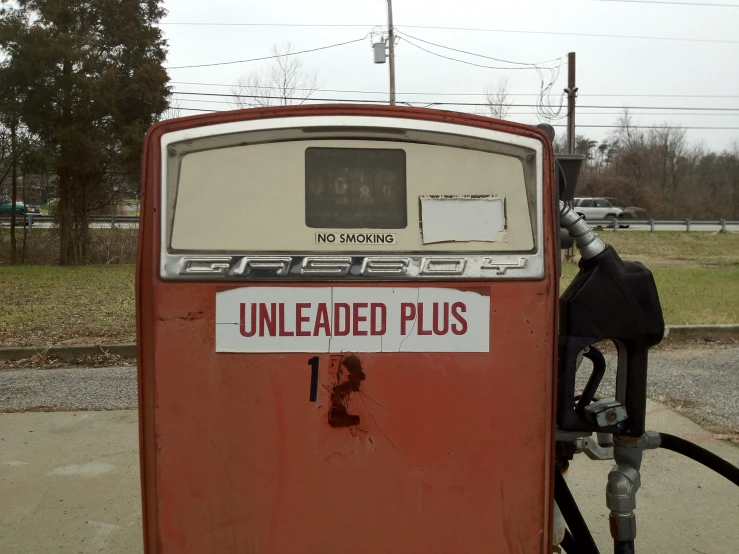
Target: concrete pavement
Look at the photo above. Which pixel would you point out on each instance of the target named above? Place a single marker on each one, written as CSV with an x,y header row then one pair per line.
x,y
69,483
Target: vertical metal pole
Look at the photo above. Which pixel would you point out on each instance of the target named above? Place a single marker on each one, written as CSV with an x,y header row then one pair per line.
x,y
13,191
570,252
723,225
571,92
391,46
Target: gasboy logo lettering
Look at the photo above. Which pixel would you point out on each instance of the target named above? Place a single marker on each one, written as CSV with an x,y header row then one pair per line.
x,y
290,319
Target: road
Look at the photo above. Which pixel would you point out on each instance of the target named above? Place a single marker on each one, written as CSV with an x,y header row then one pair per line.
x,y
671,227
94,225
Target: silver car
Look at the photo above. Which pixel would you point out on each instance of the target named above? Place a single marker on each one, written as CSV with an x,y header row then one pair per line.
x,y
604,208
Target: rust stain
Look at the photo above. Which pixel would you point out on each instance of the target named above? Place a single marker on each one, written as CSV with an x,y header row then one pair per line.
x,y
348,380
189,317
482,291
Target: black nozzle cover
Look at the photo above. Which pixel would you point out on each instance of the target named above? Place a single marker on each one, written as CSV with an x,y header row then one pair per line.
x,y
568,168
609,299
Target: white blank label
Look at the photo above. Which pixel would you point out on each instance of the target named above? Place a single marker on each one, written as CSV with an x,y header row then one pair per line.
x,y
462,219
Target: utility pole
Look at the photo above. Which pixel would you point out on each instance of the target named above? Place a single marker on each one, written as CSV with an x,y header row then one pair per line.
x,y
13,189
571,91
391,47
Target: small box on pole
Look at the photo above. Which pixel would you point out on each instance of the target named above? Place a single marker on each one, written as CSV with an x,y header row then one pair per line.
x,y
379,51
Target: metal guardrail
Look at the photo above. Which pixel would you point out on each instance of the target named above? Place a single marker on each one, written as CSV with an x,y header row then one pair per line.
x,y
614,223
611,223
32,218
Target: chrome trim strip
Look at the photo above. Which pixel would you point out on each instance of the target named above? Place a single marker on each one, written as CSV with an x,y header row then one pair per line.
x,y
326,265
353,268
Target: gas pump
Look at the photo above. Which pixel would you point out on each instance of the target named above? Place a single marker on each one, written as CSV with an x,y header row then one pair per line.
x,y
347,329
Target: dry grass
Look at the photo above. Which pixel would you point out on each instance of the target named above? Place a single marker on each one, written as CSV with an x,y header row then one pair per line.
x,y
668,249
42,361
697,274
107,246
46,305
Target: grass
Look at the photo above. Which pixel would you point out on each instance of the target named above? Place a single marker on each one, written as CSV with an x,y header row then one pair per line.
x,y
678,250
44,305
697,276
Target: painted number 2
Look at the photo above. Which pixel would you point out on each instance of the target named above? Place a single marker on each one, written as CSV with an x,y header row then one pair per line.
x,y
313,363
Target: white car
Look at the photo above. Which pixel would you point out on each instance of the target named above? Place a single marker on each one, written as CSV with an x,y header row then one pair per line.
x,y
604,209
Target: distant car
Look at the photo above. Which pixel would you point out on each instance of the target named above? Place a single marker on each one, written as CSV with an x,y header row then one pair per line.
x,y
606,208
5,209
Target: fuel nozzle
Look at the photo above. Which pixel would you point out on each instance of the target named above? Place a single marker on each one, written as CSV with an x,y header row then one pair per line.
x,y
585,238
609,300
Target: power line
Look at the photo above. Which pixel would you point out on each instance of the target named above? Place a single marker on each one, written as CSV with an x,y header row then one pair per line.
x,y
556,125
475,54
706,5
603,107
531,68
590,35
220,24
225,102
653,127
465,29
269,57
480,94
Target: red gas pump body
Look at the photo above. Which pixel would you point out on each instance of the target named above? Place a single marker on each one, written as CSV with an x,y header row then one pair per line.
x,y
254,451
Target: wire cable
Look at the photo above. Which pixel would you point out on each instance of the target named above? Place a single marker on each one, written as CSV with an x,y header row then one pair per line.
x,y
405,37
477,104
443,28
475,54
555,125
701,4
384,92
269,57
225,102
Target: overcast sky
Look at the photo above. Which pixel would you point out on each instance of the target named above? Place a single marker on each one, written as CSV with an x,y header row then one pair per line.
x,y
702,61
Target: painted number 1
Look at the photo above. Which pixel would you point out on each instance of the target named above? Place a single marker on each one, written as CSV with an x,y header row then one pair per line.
x,y
313,363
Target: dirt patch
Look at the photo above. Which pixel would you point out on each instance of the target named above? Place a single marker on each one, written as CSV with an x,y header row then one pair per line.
x,y
42,361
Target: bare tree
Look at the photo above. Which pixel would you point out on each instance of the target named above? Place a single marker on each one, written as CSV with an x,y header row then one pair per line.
x,y
498,99
174,109
282,83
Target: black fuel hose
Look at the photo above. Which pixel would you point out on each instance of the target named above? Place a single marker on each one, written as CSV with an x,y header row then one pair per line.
x,y
700,455
623,547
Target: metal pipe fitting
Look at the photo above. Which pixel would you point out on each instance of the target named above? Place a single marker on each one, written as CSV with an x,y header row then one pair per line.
x,y
623,483
586,240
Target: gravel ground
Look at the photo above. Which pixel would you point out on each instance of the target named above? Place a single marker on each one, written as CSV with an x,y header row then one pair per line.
x,y
701,382
47,390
